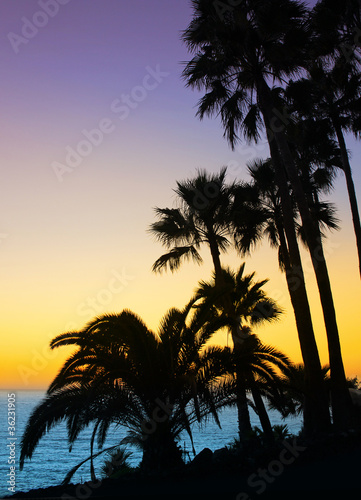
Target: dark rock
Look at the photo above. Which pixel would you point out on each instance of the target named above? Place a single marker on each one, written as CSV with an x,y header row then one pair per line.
x,y
203,460
222,455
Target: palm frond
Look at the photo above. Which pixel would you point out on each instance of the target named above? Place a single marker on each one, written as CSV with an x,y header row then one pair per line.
x,y
174,258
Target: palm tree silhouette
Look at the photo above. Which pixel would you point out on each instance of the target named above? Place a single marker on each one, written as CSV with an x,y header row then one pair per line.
x,y
336,27
200,219
258,210
237,60
260,364
291,399
334,95
249,306
204,217
257,213
154,385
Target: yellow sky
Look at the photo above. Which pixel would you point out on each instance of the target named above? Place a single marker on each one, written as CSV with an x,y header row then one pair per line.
x,y
47,299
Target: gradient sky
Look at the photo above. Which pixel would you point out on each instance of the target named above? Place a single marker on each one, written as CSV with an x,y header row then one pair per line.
x,y
74,242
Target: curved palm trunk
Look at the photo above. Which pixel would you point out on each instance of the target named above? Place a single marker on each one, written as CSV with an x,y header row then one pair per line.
x,y
92,471
262,413
316,412
341,400
350,188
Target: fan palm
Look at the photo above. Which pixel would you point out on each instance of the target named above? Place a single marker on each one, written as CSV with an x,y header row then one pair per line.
x,y
236,60
337,28
257,213
316,156
154,385
257,210
260,213
200,219
334,95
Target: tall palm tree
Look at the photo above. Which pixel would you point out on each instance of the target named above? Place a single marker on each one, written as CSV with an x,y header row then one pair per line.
x,y
154,385
202,218
237,60
249,306
317,156
258,213
334,95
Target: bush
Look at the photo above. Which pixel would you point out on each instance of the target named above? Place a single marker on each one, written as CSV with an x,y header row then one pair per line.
x,y
116,464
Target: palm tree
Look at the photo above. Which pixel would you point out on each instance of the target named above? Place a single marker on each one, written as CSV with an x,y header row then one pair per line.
x,y
238,59
334,95
249,306
203,217
317,156
337,27
257,210
291,399
260,363
200,219
258,213
154,385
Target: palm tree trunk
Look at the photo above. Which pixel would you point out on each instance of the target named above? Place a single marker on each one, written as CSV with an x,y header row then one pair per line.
x,y
244,422
341,400
215,256
316,415
160,450
350,188
262,413
92,471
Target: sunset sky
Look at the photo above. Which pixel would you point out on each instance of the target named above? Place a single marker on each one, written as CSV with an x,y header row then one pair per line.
x,y
73,226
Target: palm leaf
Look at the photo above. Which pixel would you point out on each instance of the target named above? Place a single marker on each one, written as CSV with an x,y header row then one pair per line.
x,y
174,258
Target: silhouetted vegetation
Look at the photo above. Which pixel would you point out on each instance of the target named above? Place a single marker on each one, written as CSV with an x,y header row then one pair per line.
x,y
272,68
246,63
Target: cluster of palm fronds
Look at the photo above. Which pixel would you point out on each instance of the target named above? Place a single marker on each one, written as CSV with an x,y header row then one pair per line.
x,y
153,386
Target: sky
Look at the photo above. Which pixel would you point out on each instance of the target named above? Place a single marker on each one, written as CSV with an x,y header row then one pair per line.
x,y
96,128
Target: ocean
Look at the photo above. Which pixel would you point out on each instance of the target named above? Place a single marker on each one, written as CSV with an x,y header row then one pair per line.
x,y
52,460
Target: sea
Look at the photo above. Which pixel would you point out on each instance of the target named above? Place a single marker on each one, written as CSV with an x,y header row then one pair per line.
x,y
52,459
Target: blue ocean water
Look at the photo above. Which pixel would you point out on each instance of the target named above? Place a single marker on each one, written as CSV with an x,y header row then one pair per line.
x,y
51,460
